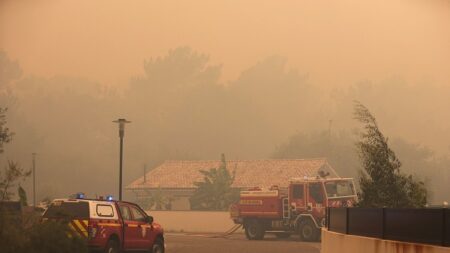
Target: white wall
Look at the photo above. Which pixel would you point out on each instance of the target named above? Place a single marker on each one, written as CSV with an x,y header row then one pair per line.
x,y
335,242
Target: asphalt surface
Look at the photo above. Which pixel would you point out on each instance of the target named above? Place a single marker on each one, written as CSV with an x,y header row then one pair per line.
x,y
203,243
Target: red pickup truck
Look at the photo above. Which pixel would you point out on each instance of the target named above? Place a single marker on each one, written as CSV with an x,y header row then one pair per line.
x,y
108,225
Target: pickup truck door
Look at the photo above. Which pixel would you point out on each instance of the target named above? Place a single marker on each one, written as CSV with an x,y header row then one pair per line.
x,y
144,229
130,229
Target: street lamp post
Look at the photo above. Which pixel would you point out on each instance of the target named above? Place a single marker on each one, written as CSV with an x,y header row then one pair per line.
x,y
121,123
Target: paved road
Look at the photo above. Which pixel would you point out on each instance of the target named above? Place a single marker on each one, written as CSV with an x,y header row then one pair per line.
x,y
184,243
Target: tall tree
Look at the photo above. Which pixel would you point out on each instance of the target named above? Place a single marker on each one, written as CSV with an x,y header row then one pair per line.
x,y
12,172
215,192
381,181
5,134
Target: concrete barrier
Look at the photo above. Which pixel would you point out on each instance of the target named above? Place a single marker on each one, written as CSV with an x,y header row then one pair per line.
x,y
193,221
333,242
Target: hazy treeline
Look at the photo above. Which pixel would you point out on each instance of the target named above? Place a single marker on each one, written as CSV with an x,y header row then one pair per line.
x,y
181,110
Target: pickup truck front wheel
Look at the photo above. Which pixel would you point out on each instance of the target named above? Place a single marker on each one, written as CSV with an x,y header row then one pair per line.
x,y
158,246
112,246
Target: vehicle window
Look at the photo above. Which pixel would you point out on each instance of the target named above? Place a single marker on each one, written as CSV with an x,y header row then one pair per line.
x,y
137,214
331,189
125,211
105,211
339,188
60,209
297,191
315,192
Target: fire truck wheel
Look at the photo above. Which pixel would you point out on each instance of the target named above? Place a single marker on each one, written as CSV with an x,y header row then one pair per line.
x,y
308,231
254,230
112,246
282,235
158,246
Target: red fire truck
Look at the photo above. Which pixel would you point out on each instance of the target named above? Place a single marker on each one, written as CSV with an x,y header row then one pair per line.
x,y
298,209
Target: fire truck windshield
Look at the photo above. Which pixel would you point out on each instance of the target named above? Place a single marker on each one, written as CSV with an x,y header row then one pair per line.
x,y
339,189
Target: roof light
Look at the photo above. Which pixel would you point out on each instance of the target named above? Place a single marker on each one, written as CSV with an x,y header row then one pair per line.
x,y
80,195
109,198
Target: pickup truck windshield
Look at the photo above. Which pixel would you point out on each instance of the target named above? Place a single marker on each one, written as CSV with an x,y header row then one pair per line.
x,y
79,210
339,188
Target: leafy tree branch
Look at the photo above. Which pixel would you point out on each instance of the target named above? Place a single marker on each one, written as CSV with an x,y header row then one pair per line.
x,y
381,181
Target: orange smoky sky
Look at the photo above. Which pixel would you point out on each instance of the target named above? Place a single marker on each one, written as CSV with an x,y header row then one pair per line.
x,y
334,42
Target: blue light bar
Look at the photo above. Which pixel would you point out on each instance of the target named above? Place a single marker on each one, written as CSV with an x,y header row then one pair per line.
x,y
80,195
109,198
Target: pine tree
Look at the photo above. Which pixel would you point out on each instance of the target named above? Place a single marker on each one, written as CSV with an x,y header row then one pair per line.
x,y
382,183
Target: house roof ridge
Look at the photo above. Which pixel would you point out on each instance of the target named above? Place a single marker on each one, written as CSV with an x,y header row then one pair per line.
x,y
189,161
252,172
285,159
247,160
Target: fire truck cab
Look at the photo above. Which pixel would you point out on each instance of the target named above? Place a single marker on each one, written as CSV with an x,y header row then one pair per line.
x,y
299,208
108,225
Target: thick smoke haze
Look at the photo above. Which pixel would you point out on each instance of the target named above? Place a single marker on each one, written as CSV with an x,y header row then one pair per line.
x,y
253,80
336,43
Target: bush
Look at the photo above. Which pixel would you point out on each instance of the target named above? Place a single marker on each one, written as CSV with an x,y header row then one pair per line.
x,y
39,237
53,237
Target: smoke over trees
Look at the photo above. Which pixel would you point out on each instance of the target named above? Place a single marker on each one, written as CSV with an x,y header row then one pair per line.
x,y
180,109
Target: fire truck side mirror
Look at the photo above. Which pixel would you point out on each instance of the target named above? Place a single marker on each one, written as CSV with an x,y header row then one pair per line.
x,y
149,219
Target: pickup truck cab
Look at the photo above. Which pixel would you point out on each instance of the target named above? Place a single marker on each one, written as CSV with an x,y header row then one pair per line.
x,y
108,225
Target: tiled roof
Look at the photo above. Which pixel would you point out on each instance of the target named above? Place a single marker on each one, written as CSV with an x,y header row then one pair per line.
x,y
249,173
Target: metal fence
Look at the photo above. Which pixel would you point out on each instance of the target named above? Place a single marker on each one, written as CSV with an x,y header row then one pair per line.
x,y
426,225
